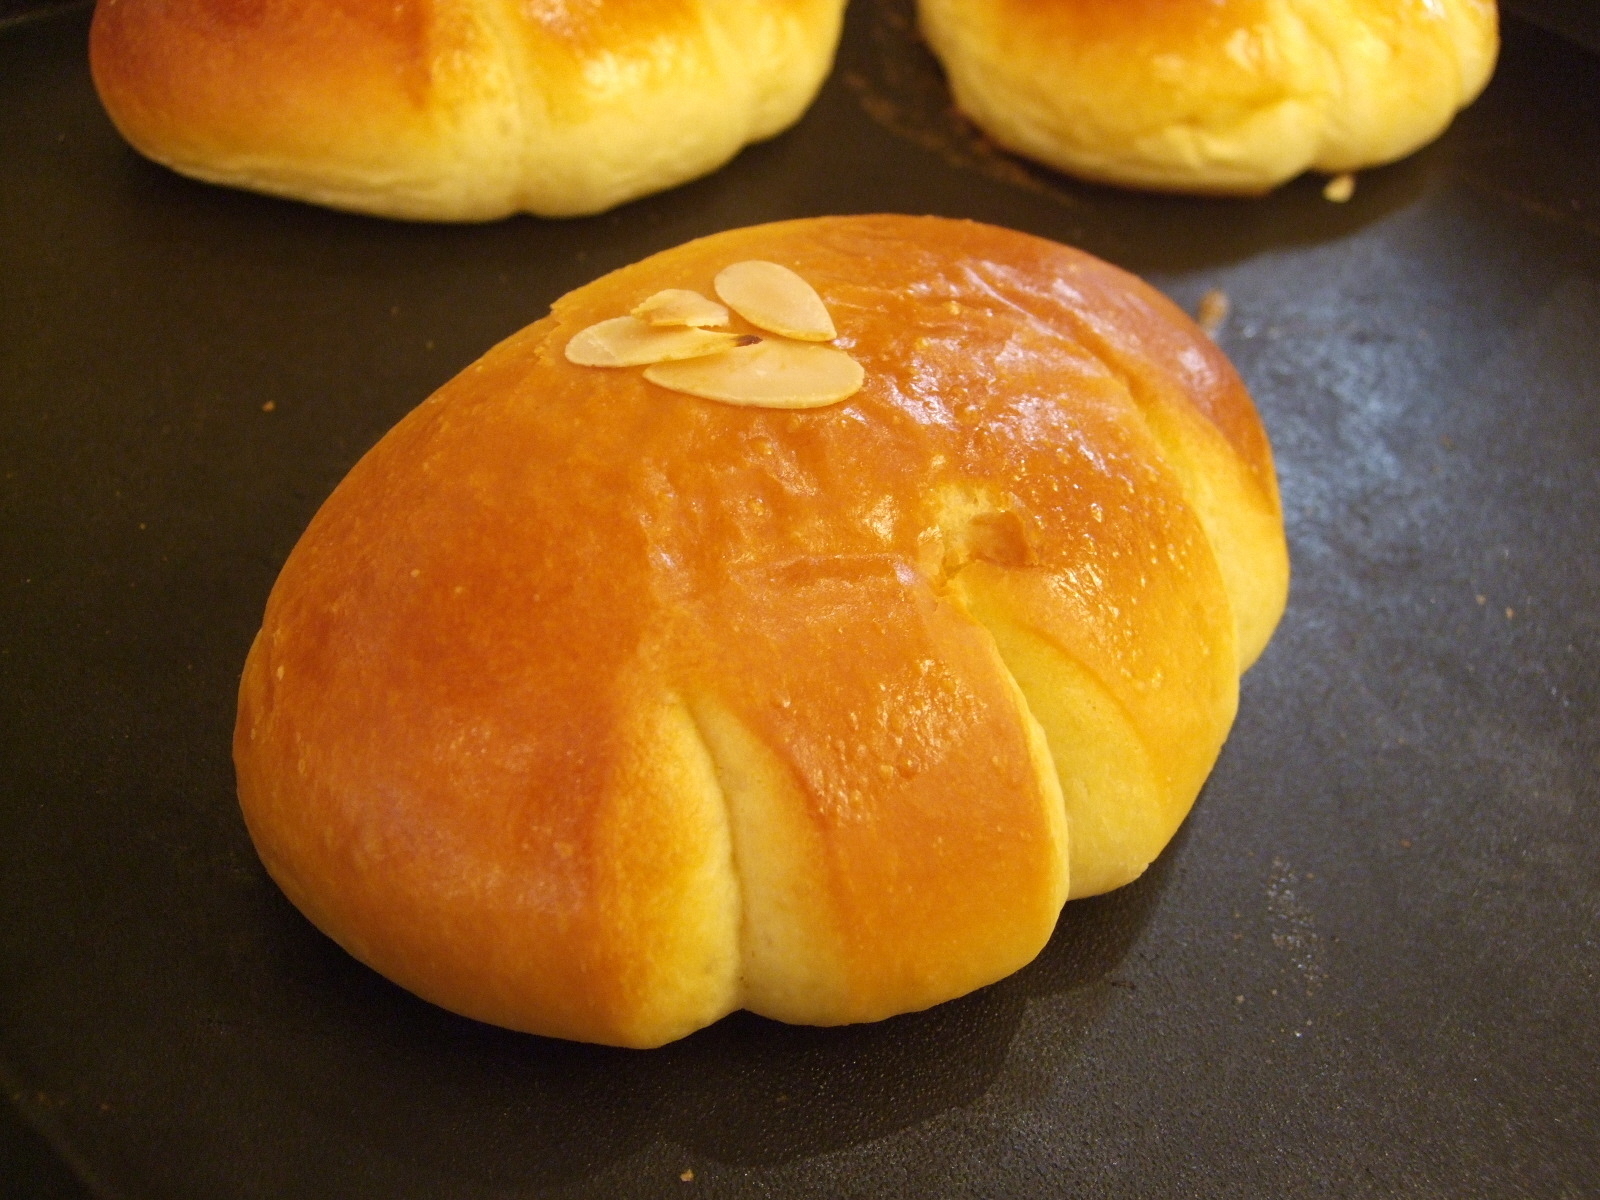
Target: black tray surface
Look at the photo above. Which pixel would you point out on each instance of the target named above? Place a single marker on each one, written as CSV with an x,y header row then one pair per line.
x,y
1366,966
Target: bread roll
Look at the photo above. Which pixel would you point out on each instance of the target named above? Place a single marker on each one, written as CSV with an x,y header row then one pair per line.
x,y
457,110
598,710
1228,96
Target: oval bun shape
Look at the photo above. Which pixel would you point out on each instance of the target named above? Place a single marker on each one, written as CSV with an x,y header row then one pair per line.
x,y
596,710
1226,96
457,110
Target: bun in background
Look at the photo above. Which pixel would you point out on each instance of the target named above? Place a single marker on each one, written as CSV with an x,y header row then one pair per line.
x,y
457,110
1228,96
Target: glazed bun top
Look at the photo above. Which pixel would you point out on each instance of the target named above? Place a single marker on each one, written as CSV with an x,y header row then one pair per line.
x,y
1212,95
457,109
592,708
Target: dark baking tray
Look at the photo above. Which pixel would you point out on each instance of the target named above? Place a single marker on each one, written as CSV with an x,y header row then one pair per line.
x,y
1366,967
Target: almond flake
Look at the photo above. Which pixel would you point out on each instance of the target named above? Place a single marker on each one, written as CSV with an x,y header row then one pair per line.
x,y
629,342
775,299
680,306
770,374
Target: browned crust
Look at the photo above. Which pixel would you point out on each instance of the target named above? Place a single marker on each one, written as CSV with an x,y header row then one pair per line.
x,y
187,78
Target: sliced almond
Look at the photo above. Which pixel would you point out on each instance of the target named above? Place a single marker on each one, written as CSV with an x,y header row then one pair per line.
x,y
775,299
680,306
629,342
770,374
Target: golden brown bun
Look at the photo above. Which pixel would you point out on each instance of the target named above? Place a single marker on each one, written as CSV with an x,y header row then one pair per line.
x,y
457,109
596,710
1212,95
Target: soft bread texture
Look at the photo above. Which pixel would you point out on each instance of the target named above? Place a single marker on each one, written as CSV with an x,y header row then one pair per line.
x,y
457,109
596,710
1226,96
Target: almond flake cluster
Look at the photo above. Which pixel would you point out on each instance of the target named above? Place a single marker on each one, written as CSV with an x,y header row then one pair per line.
x,y
681,339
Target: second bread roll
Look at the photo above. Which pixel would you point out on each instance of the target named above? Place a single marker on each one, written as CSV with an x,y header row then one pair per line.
x,y
1227,96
